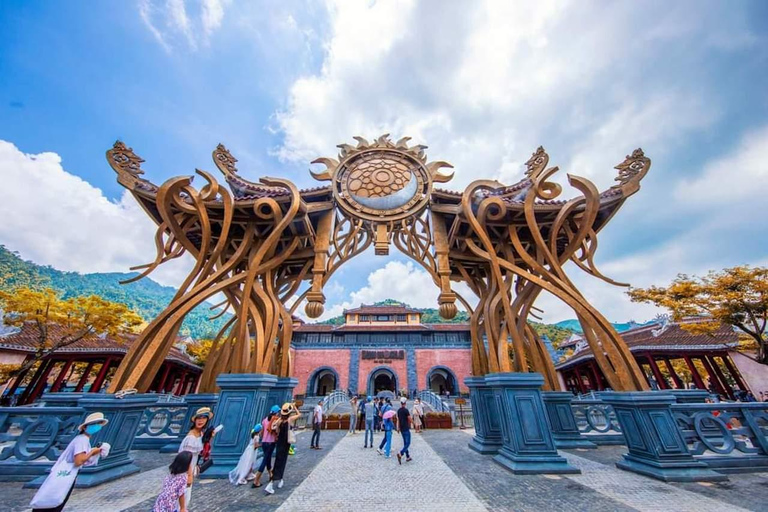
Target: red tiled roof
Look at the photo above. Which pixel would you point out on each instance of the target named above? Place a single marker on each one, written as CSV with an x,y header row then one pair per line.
x,y
381,310
672,338
26,341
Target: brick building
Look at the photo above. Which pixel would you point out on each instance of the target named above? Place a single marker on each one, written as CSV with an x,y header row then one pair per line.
x,y
381,348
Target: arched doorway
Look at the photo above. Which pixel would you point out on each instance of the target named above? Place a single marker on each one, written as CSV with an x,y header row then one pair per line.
x,y
322,382
441,379
382,379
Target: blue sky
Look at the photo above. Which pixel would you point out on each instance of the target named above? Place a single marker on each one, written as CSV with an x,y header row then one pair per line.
x,y
482,83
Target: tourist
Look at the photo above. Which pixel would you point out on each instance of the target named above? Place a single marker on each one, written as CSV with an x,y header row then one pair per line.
x,y
282,425
193,443
317,421
244,469
387,407
417,413
171,498
268,438
353,415
369,415
387,426
58,485
377,418
404,422
361,414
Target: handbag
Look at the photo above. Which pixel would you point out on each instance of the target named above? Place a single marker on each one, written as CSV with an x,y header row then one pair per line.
x,y
54,490
202,466
291,436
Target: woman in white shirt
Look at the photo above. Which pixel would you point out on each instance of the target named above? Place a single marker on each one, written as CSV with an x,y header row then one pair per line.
x,y
57,487
193,443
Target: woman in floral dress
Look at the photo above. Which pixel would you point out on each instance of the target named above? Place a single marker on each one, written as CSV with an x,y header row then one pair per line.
x,y
171,498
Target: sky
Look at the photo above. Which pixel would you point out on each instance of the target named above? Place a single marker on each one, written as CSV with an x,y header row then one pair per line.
x,y
483,84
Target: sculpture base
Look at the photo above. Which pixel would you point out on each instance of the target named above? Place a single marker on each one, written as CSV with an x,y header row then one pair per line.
x,y
487,438
243,401
527,443
565,431
656,446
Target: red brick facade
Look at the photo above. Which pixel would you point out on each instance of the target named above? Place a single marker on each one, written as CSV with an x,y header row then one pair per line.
x,y
306,361
458,360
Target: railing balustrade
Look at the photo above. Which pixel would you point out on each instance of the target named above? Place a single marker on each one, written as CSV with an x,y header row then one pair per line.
x,y
433,400
727,436
160,424
597,422
32,438
336,397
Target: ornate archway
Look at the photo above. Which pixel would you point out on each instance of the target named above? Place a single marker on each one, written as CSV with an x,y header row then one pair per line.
x,y
258,243
382,378
440,378
322,381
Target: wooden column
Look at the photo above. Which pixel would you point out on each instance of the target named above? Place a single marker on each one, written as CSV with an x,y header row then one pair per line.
x,y
596,374
195,382
656,372
579,380
164,379
37,386
713,380
20,377
84,377
180,387
675,377
101,376
720,377
734,372
694,373
64,369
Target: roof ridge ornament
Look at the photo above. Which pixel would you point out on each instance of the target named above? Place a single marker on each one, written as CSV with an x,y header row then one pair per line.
x,y
123,160
631,171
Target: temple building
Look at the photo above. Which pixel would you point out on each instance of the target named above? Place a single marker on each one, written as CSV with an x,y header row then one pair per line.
x,y
379,349
86,365
670,357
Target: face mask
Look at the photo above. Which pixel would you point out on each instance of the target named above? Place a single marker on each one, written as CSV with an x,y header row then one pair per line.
x,y
92,429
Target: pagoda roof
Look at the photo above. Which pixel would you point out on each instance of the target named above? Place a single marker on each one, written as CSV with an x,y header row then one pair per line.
x,y
665,337
25,339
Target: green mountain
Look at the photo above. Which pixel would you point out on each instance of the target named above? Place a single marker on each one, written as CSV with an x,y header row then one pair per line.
x,y
575,326
146,297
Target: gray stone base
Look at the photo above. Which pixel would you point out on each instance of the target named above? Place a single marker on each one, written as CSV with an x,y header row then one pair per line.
x,y
535,465
667,472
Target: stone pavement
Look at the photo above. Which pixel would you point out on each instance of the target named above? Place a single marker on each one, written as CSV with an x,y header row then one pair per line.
x,y
444,475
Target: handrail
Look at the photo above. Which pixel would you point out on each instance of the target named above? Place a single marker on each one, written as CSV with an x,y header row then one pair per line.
x,y
336,397
433,400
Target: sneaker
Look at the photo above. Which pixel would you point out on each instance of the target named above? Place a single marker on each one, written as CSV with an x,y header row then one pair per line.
x,y
268,489
378,450
399,459
387,456
408,459
280,483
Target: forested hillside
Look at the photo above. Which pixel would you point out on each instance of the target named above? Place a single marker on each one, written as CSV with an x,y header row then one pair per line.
x,y
145,297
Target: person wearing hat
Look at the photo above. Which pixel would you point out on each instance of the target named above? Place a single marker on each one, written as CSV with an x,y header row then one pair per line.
x,y
193,443
268,438
282,425
57,487
244,469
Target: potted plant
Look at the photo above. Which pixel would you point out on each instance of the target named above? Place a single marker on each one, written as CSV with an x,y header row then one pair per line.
x,y
332,422
438,420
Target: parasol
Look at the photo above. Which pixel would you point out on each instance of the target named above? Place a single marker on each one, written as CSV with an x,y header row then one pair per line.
x,y
389,414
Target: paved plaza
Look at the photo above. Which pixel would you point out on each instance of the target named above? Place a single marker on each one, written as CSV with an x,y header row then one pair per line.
x,y
444,475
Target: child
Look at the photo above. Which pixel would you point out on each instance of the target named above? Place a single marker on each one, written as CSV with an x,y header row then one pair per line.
x,y
244,469
171,499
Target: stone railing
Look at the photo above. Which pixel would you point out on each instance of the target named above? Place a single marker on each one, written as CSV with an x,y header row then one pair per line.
x,y
335,398
597,422
32,438
727,437
161,424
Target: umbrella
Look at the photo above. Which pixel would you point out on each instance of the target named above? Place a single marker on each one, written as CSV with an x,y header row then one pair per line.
x,y
389,414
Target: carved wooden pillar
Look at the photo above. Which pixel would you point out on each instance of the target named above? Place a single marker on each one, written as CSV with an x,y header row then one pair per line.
x,y
64,369
675,377
84,377
656,372
96,387
694,373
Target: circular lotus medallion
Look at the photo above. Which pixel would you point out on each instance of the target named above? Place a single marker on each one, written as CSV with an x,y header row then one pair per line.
x,y
382,184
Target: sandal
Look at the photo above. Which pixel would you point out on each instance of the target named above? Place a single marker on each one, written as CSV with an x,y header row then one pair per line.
x,y
255,485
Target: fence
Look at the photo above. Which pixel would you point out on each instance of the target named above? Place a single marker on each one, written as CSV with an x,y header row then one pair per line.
x,y
728,437
161,424
597,422
32,438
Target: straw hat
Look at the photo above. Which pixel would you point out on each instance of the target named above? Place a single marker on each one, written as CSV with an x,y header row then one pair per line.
x,y
95,418
286,410
203,411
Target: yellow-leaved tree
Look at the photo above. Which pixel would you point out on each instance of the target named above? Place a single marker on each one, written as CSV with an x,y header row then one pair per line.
x,y
199,349
735,296
76,318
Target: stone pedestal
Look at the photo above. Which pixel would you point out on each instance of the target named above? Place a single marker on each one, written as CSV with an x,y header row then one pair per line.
x,y
124,417
527,443
243,399
565,431
194,402
656,446
61,399
688,396
282,392
487,439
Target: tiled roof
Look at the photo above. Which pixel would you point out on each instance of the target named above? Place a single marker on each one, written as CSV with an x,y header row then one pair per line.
x,y
25,340
381,310
669,339
382,328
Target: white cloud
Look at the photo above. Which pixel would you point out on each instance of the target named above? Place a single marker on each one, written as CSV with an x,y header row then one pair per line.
x,y
172,24
53,217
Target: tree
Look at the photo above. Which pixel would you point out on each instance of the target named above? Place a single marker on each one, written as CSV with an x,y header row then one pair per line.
x,y
199,349
76,318
735,296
